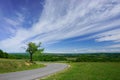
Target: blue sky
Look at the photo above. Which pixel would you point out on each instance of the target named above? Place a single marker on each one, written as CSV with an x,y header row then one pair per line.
x,y
68,26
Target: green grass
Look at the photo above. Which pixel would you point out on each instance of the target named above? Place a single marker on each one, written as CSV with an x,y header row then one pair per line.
x,y
89,71
9,65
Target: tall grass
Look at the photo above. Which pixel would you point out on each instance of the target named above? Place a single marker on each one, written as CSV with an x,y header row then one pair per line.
x,y
8,65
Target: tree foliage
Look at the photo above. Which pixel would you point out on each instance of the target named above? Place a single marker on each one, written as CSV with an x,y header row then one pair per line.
x,y
3,54
33,48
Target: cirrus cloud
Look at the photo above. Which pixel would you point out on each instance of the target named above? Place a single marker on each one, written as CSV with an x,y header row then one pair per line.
x,y
66,19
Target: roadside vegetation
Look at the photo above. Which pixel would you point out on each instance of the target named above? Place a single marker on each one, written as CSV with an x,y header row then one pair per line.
x,y
89,71
13,65
9,65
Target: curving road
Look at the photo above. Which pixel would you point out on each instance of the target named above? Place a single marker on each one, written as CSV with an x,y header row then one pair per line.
x,y
34,74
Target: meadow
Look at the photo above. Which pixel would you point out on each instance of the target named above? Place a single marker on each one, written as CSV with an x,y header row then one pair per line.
x,y
89,71
13,65
102,66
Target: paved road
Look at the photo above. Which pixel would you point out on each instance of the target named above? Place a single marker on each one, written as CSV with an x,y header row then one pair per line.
x,y
34,74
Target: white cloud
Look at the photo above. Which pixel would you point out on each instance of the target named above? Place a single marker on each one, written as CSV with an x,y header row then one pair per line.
x,y
74,21
63,19
113,35
16,20
110,35
11,22
102,50
114,46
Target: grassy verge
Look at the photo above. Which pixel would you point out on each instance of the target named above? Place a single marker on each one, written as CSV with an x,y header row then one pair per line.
x,y
89,71
9,65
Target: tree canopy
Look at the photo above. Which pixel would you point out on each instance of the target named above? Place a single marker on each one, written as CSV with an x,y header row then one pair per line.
x,y
33,48
3,54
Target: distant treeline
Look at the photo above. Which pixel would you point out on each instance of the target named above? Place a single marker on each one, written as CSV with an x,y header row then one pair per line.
x,y
3,54
97,57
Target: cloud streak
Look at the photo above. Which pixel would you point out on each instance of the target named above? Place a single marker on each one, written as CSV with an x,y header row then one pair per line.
x,y
66,19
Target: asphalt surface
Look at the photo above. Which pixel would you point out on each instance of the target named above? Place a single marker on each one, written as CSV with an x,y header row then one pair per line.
x,y
34,74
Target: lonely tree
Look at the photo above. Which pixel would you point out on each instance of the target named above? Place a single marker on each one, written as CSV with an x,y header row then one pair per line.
x,y
33,48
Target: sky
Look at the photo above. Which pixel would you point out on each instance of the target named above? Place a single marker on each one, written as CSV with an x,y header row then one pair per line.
x,y
63,26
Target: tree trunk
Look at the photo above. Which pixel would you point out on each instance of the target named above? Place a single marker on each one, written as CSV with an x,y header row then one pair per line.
x,y
30,57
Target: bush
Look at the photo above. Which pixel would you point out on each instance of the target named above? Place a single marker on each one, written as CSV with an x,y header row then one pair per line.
x,y
3,54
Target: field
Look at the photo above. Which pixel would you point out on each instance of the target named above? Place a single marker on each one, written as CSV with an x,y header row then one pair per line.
x,y
11,65
89,71
101,66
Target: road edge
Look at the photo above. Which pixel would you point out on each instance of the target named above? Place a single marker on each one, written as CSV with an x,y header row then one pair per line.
x,y
46,76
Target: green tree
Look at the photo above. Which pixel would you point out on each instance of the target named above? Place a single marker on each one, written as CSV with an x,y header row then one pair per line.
x,y
33,48
3,54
